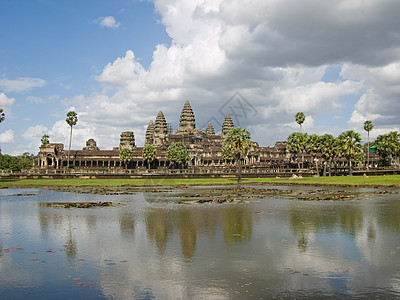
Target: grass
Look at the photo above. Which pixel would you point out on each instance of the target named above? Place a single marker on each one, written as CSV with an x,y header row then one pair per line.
x,y
387,180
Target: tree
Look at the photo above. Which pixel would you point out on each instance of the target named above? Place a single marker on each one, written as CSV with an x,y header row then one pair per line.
x,y
388,146
329,150
16,163
237,145
296,144
313,147
300,118
2,115
126,156
350,146
45,139
178,153
149,154
71,120
368,127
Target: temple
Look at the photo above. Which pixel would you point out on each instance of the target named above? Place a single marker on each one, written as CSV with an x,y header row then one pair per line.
x,y
204,149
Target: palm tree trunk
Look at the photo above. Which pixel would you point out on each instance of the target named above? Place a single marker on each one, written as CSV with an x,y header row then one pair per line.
x,y
368,153
325,164
350,168
239,170
69,147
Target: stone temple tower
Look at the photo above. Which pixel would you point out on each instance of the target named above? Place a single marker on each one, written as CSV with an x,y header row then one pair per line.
x,y
227,125
187,122
127,140
149,134
210,129
160,130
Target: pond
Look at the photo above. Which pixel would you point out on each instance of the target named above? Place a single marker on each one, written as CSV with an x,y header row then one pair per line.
x,y
149,245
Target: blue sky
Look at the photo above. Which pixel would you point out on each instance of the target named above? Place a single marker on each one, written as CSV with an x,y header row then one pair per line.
x,y
117,63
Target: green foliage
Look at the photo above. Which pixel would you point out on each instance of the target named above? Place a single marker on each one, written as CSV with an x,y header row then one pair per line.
x,y
350,146
72,118
149,154
16,163
177,153
313,144
368,126
329,147
126,156
45,139
237,144
2,115
300,118
388,146
296,142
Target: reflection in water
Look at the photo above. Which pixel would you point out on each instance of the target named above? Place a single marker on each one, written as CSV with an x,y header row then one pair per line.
x,y
127,223
237,225
155,248
158,226
389,215
187,227
351,219
70,246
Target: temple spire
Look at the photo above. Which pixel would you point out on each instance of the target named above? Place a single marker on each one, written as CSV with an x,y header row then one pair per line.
x,y
149,134
227,125
160,125
187,122
210,129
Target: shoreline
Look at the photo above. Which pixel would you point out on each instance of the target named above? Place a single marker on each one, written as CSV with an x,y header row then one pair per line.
x,y
380,181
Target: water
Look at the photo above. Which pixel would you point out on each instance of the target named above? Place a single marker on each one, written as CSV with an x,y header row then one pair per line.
x,y
151,247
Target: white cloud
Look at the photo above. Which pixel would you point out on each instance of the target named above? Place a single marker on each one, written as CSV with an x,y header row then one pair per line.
x,y
21,84
379,101
6,101
7,136
108,22
274,53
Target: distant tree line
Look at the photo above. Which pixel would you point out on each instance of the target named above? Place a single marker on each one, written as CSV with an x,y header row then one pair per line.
x,y
16,163
347,145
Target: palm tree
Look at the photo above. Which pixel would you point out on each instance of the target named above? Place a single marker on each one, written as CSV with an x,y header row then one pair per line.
x,y
300,118
2,115
313,147
178,153
126,155
329,150
368,127
149,153
350,146
237,144
45,139
296,144
388,146
71,120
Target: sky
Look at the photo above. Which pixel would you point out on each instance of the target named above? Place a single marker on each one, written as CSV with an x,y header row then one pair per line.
x,y
118,63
